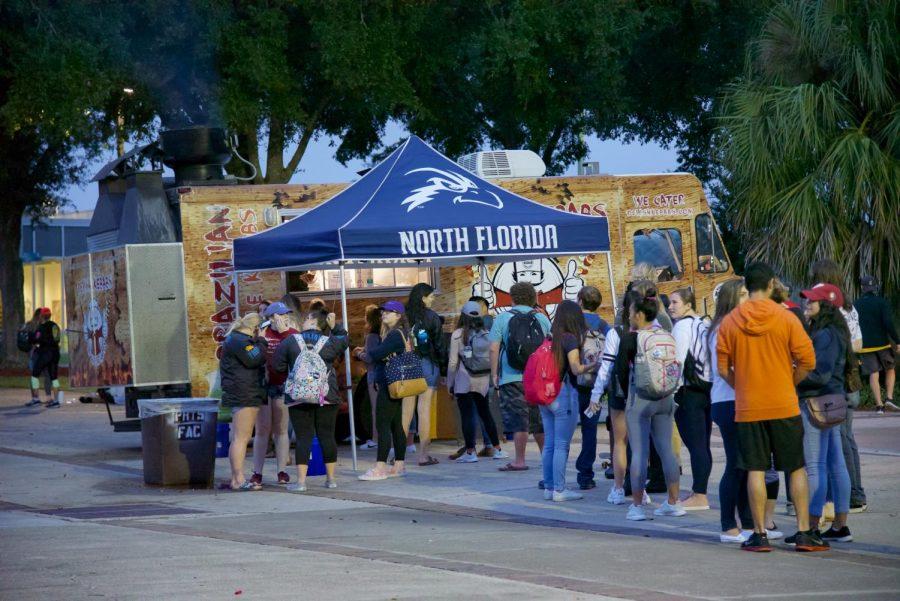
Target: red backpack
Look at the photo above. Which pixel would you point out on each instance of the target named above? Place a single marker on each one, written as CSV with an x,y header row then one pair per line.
x,y
541,378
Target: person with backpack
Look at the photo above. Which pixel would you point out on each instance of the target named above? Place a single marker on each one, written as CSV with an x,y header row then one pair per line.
x,y
515,335
24,338
822,387
589,299
554,368
272,419
646,366
762,351
45,358
692,415
242,372
468,378
311,389
388,411
428,339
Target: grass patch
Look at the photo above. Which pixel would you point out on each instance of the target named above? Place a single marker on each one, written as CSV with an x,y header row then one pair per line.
x,y
25,382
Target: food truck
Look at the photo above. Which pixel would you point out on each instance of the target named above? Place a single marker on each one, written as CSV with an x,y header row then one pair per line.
x,y
660,222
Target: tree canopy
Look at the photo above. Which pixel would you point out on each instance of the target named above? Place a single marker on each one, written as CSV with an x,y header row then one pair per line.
x,y
811,140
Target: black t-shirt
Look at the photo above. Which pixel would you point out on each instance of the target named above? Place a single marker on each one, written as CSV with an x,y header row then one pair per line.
x,y
569,343
46,337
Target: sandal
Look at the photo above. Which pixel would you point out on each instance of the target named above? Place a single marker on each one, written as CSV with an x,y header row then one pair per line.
x,y
509,467
429,461
247,485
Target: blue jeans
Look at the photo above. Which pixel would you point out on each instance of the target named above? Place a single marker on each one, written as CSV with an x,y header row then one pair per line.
x,y
733,485
585,462
559,418
825,465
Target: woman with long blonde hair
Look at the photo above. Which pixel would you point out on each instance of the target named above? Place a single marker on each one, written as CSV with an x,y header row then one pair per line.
x,y
242,370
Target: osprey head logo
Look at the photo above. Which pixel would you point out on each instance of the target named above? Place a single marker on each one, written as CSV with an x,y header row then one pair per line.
x,y
460,187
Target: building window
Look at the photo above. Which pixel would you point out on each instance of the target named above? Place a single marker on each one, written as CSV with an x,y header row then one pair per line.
x,y
379,278
661,249
711,257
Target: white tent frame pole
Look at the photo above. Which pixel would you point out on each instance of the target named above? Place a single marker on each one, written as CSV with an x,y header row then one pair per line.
x,y
612,285
346,319
482,273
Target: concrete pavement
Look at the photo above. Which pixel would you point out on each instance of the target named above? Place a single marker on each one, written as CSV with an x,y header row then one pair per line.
x,y
76,521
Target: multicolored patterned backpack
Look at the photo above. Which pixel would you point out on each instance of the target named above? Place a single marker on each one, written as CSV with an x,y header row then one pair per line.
x,y
307,382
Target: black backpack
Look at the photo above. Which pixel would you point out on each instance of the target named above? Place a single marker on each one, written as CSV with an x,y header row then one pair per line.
x,y
524,336
23,340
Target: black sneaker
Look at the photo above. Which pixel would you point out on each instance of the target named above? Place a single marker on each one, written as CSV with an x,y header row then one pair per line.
x,y
33,403
757,543
879,410
541,485
587,485
858,507
810,541
52,404
609,474
840,536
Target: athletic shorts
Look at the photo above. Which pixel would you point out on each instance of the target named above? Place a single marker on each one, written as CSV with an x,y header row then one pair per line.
x,y
45,361
519,416
877,361
759,442
617,403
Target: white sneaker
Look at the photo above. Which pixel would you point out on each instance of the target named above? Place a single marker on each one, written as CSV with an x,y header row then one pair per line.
x,y
467,458
732,538
669,509
616,496
373,475
410,449
330,484
566,495
646,500
296,487
548,495
891,405
500,454
636,514
369,444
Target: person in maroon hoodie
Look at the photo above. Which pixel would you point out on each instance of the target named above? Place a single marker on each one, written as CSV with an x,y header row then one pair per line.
x,y
273,417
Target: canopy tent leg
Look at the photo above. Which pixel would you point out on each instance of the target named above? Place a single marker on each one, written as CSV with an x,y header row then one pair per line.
x,y
482,275
612,285
346,318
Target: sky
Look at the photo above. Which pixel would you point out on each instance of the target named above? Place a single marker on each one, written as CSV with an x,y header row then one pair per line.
x,y
318,164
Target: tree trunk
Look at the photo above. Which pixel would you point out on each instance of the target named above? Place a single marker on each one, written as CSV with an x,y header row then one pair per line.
x,y
12,280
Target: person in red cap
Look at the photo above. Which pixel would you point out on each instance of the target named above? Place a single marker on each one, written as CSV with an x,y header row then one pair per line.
x,y
46,358
822,445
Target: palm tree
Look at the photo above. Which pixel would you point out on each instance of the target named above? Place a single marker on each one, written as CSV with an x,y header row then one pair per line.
x,y
811,140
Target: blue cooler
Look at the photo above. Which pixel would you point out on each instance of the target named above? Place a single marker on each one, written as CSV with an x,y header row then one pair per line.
x,y
223,439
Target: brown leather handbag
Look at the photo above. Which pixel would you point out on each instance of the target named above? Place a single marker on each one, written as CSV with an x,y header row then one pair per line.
x,y
827,410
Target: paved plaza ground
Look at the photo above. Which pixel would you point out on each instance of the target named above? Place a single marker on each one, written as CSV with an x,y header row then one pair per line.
x,y
77,522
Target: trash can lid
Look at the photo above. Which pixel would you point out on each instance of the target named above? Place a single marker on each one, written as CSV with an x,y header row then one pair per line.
x,y
151,407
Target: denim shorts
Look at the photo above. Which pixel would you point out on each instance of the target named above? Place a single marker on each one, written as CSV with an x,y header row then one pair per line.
x,y
432,372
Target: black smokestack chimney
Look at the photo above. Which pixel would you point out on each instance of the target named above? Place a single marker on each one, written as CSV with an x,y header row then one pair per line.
x,y
196,154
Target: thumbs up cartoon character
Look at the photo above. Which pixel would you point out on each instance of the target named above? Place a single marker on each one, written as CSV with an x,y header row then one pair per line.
x,y
544,274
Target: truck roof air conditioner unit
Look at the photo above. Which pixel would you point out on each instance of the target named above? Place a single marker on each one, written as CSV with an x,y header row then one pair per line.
x,y
503,163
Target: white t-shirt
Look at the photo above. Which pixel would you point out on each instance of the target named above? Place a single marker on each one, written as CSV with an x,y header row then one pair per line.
x,y
852,319
721,391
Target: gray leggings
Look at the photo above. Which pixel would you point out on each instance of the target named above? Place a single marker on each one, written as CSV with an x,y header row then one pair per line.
x,y
642,417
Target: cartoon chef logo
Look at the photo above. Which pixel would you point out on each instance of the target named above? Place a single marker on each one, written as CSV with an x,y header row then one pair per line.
x,y
552,285
455,186
95,330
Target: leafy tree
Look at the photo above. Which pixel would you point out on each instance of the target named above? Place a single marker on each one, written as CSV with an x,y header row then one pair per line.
x,y
812,140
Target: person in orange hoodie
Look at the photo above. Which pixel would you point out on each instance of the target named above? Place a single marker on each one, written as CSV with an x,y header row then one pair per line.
x,y
763,352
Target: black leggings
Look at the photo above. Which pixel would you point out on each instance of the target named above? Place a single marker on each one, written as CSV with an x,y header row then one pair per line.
x,y
695,427
468,403
313,420
389,422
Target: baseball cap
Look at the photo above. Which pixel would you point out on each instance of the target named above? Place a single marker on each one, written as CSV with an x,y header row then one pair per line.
x,y
824,292
472,308
45,311
276,308
868,283
395,306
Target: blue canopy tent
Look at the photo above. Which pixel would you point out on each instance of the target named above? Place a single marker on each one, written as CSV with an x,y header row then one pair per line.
x,y
419,207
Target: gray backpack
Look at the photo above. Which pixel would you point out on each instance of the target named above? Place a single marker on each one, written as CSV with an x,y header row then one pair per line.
x,y
476,355
656,368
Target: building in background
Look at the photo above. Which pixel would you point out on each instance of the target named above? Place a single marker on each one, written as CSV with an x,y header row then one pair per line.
x,y
44,244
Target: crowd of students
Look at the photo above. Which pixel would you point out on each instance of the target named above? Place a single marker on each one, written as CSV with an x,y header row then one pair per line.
x,y
780,383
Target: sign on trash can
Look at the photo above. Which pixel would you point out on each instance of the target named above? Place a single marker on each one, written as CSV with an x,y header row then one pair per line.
x,y
179,441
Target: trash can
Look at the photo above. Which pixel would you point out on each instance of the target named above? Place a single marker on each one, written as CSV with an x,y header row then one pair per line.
x,y
179,441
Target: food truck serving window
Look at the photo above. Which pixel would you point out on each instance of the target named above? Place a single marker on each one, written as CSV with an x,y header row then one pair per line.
x,y
660,248
711,256
378,278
